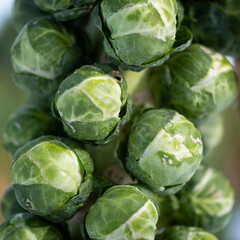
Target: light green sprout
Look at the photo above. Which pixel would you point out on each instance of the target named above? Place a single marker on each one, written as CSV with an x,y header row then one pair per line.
x,y
168,206
53,6
207,200
52,177
135,44
60,5
27,123
196,82
28,227
185,233
122,212
164,150
99,104
42,54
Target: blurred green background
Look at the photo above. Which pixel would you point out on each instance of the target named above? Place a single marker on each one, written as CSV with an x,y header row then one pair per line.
x,y
225,157
10,97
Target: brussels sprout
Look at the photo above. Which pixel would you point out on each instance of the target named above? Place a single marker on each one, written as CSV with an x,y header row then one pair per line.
x,y
60,5
28,123
214,24
209,25
139,34
28,226
53,6
164,150
73,13
24,11
196,82
10,205
122,212
186,233
65,10
99,104
42,54
168,208
52,177
206,201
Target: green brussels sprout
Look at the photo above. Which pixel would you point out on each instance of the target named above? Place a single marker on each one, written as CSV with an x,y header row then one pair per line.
x,y
42,54
60,5
168,207
164,150
65,10
209,25
27,226
196,82
24,11
122,212
99,104
72,13
214,24
27,123
211,129
135,44
52,177
185,233
206,201
53,6
10,205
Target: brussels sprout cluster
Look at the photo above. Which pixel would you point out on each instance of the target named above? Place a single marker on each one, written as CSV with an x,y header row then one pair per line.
x,y
89,161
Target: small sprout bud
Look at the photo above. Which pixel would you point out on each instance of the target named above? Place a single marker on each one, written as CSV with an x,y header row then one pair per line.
x,y
164,150
52,177
91,104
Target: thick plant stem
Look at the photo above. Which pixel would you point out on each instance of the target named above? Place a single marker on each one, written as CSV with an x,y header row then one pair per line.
x,y
139,86
237,69
136,80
